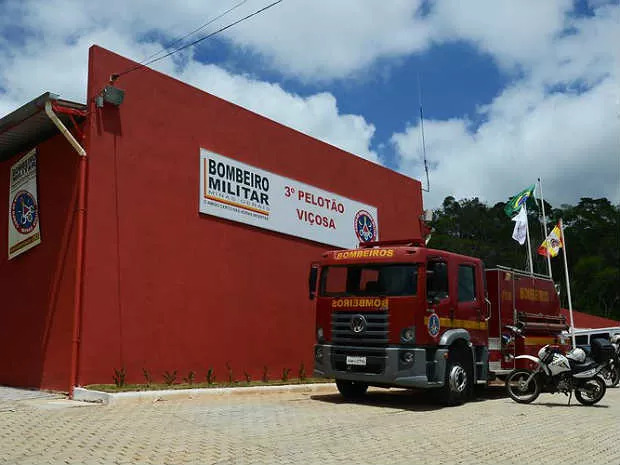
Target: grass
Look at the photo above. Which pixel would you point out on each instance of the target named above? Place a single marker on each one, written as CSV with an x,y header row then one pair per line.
x,y
161,386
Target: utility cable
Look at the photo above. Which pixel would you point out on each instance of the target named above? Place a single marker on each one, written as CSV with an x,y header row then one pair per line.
x,y
234,23
198,29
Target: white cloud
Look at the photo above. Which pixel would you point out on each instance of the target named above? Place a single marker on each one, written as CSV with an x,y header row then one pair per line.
x,y
571,141
315,40
513,32
558,119
54,57
323,39
560,122
316,115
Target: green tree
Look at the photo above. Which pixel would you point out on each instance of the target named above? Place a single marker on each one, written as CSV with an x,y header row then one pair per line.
x,y
592,230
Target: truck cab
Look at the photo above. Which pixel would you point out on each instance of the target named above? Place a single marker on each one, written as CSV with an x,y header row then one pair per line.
x,y
396,313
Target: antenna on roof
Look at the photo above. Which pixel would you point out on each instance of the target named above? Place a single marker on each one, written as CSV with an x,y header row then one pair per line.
x,y
428,186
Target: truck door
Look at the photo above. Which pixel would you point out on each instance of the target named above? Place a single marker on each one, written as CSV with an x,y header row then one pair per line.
x,y
440,303
471,310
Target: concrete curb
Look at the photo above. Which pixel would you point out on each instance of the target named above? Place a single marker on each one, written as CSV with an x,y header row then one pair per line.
x,y
106,398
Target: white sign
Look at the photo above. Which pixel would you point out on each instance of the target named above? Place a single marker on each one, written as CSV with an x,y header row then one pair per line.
x,y
24,230
240,192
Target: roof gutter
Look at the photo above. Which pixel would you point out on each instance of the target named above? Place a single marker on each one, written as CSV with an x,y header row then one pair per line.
x,y
79,256
63,129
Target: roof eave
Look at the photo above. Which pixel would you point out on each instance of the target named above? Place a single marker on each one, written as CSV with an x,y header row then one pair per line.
x,y
28,126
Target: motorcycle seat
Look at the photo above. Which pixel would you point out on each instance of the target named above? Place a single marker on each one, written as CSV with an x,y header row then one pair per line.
x,y
581,367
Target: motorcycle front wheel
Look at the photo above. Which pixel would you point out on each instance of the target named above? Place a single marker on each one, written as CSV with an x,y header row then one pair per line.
x,y
590,391
521,388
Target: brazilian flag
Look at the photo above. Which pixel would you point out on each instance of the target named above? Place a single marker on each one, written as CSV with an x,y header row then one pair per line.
x,y
514,204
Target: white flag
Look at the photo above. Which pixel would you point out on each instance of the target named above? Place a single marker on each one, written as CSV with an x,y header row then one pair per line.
x,y
519,234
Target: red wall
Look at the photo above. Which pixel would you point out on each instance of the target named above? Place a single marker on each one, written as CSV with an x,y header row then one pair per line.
x,y
36,287
167,288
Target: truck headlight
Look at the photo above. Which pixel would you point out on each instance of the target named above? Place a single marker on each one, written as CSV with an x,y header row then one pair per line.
x,y
318,354
407,335
319,335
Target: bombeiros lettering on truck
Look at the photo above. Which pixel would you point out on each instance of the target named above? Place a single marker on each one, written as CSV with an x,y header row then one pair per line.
x,y
399,314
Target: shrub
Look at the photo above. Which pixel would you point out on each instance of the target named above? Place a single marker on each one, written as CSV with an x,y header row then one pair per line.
x,y
231,378
170,378
210,376
147,376
302,372
119,377
191,376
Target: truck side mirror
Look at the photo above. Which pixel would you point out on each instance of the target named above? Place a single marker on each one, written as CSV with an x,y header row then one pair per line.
x,y
516,331
312,278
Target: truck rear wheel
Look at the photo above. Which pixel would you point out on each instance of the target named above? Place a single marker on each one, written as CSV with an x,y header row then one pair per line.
x,y
351,389
458,380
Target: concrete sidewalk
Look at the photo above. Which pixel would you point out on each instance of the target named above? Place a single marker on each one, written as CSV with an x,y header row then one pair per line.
x,y
119,398
10,394
395,427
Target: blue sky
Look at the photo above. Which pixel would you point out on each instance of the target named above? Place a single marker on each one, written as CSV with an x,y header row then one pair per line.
x,y
512,90
451,80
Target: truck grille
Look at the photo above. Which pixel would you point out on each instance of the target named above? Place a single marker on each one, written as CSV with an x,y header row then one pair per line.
x,y
375,334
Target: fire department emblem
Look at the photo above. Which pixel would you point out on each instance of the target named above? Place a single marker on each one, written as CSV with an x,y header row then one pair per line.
x,y
365,226
24,212
358,324
433,325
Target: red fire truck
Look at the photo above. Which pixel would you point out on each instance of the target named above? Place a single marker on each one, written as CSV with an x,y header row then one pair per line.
x,y
399,314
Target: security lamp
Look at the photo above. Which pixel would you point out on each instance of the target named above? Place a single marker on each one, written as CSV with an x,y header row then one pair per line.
x,y
112,95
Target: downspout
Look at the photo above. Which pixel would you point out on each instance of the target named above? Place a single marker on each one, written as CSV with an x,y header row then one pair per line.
x,y
79,256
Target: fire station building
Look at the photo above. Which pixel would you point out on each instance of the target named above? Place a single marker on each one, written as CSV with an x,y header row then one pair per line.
x,y
158,227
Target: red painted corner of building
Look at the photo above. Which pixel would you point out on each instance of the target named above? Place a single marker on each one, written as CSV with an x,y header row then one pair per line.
x,y
168,288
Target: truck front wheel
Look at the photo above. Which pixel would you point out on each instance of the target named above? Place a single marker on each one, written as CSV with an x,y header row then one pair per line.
x,y
458,380
351,389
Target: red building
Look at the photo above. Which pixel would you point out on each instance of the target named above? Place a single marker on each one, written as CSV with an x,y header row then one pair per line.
x,y
135,270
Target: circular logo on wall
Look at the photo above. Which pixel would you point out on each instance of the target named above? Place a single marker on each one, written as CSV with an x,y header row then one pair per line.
x,y
433,325
365,226
24,212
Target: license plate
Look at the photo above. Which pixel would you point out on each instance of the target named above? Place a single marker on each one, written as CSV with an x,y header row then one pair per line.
x,y
358,361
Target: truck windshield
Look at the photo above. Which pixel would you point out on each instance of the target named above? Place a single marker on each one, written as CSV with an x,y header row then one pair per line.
x,y
365,280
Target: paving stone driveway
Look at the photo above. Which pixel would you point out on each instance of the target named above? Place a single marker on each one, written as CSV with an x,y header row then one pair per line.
x,y
387,427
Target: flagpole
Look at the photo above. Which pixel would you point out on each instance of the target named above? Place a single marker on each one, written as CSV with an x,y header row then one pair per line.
x,y
529,246
570,303
542,202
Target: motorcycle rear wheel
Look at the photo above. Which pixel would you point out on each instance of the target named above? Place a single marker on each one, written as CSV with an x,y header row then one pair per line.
x,y
615,376
610,375
591,391
519,389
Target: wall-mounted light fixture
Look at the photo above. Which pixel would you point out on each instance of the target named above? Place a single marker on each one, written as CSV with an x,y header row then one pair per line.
x,y
110,94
